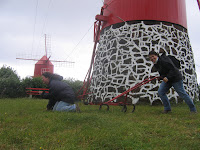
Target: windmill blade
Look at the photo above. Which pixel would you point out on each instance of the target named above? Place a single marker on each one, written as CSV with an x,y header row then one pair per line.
x,y
28,59
62,61
32,59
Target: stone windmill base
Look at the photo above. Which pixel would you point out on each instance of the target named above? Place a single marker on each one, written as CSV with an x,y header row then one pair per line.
x,y
122,60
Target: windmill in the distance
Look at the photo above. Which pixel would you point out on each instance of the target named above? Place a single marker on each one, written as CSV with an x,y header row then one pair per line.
x,y
44,64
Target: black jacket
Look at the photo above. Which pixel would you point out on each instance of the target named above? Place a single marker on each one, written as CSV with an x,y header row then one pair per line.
x,y
59,91
166,68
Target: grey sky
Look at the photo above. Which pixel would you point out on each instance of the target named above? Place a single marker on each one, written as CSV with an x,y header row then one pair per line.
x,y
23,24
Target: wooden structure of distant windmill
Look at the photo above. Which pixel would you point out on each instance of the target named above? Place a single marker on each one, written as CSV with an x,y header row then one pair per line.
x,y
44,64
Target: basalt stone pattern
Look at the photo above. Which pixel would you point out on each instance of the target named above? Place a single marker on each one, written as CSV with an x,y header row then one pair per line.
x,y
122,60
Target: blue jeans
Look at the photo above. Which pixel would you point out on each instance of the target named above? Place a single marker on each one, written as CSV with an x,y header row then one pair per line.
x,y
178,86
63,106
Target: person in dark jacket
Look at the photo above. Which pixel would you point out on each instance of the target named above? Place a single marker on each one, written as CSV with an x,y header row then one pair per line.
x,y
61,96
171,76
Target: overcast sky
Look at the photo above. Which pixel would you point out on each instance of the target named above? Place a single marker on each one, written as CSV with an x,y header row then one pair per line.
x,y
68,25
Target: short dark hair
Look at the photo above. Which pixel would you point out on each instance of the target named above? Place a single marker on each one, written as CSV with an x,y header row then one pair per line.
x,y
52,76
47,75
153,53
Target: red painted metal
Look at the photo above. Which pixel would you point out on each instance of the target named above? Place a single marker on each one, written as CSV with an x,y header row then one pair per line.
x,y
43,65
39,89
101,18
131,89
117,11
35,91
110,102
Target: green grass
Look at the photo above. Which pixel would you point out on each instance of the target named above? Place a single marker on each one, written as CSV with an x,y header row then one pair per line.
x,y
26,125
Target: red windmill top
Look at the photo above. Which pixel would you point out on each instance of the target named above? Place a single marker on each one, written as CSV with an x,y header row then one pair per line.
x,y
117,11
44,64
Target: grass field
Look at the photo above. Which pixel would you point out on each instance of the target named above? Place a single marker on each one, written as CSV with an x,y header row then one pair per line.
x,y
26,125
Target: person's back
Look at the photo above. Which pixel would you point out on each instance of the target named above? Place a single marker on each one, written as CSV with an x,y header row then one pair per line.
x,y
61,91
166,68
61,96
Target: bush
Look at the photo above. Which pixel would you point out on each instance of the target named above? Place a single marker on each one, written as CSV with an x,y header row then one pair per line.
x,y
30,82
10,85
35,82
75,84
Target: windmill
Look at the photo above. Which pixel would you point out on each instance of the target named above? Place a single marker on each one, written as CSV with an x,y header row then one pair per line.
x,y
126,30
44,64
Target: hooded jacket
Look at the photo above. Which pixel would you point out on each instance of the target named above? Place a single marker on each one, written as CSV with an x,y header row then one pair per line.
x,y
167,69
58,91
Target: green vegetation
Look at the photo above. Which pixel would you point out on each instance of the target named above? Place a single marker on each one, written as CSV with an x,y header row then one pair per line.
x,y
9,83
11,86
75,84
26,125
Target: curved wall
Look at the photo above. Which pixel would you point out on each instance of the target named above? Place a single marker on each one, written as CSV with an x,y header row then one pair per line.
x,y
122,60
173,11
122,54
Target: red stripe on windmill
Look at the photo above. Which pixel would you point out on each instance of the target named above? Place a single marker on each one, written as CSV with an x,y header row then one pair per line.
x,y
45,64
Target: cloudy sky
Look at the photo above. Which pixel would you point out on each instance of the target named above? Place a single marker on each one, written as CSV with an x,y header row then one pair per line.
x,y
68,25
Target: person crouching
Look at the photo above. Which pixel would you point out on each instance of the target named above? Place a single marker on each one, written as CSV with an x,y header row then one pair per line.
x,y
61,96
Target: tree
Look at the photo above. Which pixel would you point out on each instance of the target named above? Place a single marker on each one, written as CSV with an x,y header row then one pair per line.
x,y
35,82
10,85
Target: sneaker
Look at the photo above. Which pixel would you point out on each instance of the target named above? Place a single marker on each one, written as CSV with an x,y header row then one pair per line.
x,y
166,111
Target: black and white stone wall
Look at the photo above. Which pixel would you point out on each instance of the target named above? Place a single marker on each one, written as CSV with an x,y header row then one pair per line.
x,y
122,60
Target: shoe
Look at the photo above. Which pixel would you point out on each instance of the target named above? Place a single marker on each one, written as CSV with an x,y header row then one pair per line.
x,y
77,108
193,112
166,111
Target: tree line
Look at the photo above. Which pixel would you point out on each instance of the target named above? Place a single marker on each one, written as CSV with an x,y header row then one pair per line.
x,y
11,86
